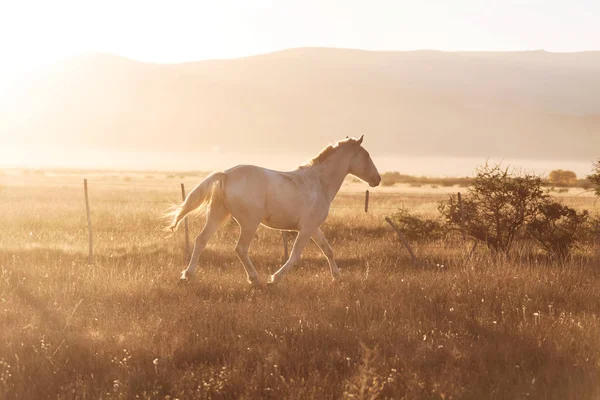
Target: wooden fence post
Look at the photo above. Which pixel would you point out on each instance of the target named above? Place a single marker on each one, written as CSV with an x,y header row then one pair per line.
x,y
403,239
185,221
89,223
284,237
462,217
367,201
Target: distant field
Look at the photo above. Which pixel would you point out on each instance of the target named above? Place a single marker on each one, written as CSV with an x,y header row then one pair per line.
x,y
484,327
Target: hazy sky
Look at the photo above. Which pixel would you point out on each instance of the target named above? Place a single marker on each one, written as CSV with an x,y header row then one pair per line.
x,y
34,33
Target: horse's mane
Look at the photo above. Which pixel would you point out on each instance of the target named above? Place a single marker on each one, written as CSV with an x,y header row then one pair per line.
x,y
326,153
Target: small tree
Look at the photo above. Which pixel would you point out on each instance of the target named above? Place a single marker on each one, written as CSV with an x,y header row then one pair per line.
x,y
558,228
562,177
497,207
417,228
595,177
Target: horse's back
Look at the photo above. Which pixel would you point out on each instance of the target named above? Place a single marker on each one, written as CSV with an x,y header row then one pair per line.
x,y
246,180
277,199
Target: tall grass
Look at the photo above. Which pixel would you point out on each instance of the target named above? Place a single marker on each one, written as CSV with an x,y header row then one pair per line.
x,y
456,327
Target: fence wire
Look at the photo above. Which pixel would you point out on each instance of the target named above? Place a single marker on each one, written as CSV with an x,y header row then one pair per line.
x,y
175,190
397,200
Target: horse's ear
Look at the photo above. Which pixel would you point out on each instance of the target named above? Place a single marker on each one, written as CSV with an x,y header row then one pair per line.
x,y
360,139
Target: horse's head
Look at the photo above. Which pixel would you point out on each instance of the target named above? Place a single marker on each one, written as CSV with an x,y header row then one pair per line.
x,y
362,166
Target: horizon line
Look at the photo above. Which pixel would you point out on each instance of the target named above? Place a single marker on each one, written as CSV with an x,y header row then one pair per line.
x,y
271,52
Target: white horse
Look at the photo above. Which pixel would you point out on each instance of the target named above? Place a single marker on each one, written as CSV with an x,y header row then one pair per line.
x,y
298,200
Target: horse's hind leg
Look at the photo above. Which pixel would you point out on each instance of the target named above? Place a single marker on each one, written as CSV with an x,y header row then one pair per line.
x,y
214,219
321,241
247,232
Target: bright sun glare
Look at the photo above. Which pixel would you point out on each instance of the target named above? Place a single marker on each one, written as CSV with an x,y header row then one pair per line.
x,y
36,33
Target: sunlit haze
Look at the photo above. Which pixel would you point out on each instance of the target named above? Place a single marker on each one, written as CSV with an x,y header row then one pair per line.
x,y
35,33
300,199
396,101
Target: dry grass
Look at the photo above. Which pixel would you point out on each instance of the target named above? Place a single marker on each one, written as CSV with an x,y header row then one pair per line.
x,y
123,327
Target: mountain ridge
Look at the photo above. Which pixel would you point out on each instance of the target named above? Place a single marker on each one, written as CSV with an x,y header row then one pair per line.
x,y
515,104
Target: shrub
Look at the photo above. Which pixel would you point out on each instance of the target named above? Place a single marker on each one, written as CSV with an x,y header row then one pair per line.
x,y
592,233
558,228
417,228
595,177
497,207
391,178
562,177
585,184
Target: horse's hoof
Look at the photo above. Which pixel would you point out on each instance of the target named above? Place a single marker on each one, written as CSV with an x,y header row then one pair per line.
x,y
254,283
185,277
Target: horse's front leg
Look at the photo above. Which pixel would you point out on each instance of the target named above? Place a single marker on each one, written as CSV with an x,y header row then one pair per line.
x,y
299,245
321,241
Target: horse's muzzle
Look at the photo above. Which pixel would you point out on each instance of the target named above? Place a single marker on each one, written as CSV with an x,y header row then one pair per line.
x,y
375,182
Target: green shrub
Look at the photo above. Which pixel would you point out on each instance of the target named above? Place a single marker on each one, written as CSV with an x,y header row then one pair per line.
x,y
558,228
592,231
595,177
562,177
417,228
497,206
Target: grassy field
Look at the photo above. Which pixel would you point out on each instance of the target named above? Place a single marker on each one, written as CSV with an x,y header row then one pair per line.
x,y
484,327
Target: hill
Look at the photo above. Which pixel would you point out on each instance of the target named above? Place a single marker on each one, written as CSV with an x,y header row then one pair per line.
x,y
522,104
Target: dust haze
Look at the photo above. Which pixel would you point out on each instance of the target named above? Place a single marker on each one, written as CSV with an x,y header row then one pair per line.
x,y
422,112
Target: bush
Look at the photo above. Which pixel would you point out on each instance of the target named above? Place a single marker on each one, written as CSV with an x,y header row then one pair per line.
x,y
558,228
592,233
417,228
393,178
561,177
595,177
585,184
497,207
500,207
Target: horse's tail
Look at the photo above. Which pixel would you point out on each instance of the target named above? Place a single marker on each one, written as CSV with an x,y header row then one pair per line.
x,y
200,198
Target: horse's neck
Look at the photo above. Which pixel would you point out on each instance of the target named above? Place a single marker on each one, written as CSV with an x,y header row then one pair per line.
x,y
332,173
